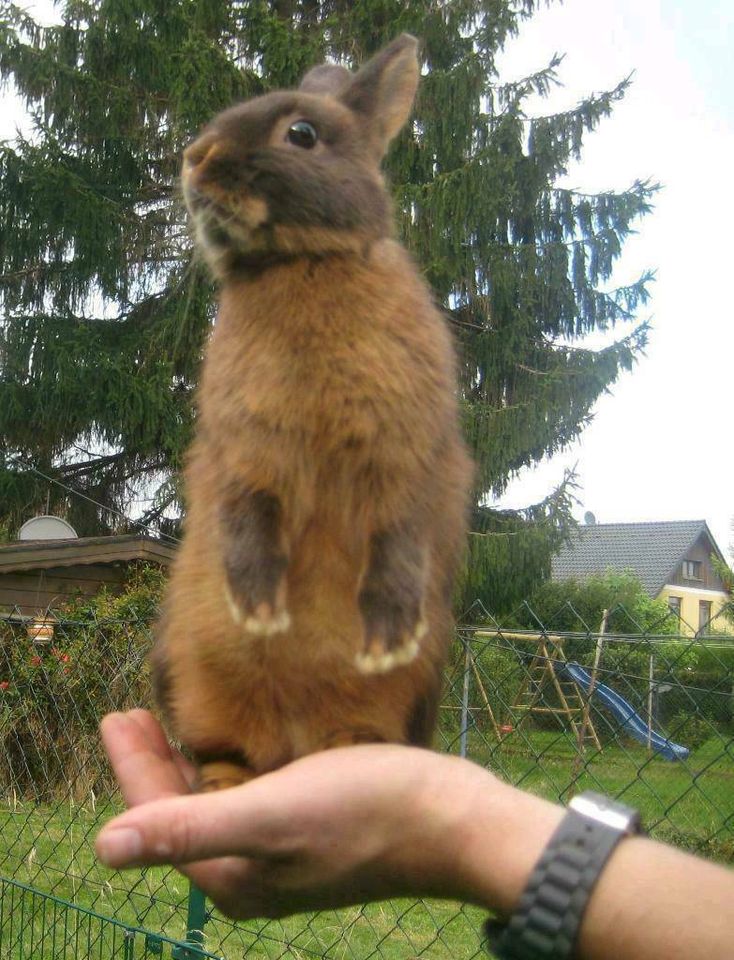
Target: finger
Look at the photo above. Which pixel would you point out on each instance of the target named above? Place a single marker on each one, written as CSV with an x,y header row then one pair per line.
x,y
152,730
159,743
238,887
242,820
244,888
141,772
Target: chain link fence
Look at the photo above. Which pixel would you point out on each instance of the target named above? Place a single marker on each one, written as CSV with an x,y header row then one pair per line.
x,y
647,718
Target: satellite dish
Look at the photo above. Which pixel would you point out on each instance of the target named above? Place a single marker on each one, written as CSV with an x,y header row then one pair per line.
x,y
589,519
47,528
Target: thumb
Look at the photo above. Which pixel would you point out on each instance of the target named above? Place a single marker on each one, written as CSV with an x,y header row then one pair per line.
x,y
240,821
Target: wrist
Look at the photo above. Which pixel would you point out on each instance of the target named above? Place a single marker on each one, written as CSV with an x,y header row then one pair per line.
x,y
502,837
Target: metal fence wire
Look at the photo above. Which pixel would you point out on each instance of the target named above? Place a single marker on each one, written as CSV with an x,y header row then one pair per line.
x,y
644,717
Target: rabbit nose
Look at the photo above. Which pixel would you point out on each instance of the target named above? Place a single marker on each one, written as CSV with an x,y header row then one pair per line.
x,y
198,158
198,151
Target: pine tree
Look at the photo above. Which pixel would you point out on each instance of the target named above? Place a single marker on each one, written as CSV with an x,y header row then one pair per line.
x,y
106,310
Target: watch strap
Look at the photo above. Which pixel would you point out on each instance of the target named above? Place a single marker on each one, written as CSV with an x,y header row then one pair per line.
x,y
546,921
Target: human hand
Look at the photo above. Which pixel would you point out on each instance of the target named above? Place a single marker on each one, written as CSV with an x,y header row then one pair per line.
x,y
334,828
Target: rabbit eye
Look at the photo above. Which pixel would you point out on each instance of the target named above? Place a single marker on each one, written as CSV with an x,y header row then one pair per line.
x,y
302,134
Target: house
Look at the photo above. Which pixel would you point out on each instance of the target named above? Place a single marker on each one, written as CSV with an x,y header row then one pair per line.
x,y
672,560
36,575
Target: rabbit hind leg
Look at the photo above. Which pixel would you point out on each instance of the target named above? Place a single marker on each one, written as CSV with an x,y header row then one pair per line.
x,y
218,771
350,738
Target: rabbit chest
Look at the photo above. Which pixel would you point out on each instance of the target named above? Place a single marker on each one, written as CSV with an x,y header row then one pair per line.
x,y
331,371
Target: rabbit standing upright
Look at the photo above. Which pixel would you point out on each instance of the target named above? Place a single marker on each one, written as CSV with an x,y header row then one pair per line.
x,y
310,603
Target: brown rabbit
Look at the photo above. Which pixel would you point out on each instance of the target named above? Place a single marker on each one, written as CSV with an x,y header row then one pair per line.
x,y
309,605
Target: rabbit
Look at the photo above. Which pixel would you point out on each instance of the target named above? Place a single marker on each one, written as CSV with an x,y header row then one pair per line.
x,y
309,605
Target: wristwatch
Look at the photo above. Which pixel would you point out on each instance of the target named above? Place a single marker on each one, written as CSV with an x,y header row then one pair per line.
x,y
546,922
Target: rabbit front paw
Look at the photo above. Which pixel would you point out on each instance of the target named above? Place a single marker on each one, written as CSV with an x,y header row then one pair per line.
x,y
255,563
263,618
392,634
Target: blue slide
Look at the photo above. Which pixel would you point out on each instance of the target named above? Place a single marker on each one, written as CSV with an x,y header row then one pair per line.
x,y
631,722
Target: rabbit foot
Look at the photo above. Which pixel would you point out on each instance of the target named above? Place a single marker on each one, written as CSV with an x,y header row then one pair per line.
x,y
350,738
265,620
381,656
220,775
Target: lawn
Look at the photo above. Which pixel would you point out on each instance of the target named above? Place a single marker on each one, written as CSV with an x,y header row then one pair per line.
x,y
50,849
690,804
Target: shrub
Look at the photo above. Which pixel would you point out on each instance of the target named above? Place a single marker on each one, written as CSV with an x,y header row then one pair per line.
x,y
578,606
52,695
690,729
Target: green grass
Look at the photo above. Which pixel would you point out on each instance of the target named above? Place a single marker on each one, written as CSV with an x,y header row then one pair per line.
x,y
51,849
38,926
690,804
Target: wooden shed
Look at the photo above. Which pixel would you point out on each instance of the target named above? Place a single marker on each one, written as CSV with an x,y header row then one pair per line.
x,y
36,575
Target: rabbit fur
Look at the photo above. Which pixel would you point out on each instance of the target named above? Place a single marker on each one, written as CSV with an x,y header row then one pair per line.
x,y
310,603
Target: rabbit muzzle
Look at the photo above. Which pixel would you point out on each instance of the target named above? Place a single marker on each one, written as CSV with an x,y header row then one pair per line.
x,y
220,186
226,215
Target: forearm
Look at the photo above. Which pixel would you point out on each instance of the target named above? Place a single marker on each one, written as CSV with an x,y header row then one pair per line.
x,y
651,902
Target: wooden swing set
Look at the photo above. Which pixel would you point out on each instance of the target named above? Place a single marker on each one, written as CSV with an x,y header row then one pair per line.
x,y
545,674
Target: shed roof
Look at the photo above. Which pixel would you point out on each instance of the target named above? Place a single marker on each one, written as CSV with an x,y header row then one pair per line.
x,y
651,550
40,554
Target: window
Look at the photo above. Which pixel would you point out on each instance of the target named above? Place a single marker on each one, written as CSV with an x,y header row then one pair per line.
x,y
674,604
704,616
692,570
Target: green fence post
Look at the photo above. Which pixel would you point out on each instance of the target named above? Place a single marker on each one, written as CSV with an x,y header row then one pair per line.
x,y
195,920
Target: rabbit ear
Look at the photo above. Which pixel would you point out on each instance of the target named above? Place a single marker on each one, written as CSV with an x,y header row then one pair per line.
x,y
383,90
326,78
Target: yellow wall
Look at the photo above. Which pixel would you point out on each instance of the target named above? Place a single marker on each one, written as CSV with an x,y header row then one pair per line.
x,y
690,598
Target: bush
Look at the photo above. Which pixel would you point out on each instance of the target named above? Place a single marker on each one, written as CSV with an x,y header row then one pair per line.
x,y
52,695
578,605
690,729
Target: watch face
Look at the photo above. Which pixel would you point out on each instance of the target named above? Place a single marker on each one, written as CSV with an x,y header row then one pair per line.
x,y
606,811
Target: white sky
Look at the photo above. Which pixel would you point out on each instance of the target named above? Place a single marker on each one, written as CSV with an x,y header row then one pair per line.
x,y
661,445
